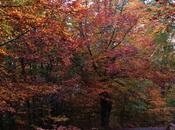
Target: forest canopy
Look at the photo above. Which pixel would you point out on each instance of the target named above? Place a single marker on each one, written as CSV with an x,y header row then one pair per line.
x,y
86,63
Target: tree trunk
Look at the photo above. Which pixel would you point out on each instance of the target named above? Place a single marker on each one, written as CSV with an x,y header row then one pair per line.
x,y
106,105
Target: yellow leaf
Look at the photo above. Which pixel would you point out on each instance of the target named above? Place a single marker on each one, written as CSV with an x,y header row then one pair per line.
x,y
3,51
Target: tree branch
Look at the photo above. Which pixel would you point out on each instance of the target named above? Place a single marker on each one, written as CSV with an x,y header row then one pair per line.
x,y
123,38
112,37
14,39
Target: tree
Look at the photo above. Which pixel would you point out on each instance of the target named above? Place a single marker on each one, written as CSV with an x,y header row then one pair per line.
x,y
87,47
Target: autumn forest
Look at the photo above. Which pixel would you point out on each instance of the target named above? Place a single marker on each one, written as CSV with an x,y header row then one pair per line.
x,y
87,64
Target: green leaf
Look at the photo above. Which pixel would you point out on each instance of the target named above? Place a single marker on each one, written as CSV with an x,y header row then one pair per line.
x,y
6,27
161,37
22,2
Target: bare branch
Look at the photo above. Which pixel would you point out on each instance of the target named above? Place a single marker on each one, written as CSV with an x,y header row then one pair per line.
x,y
14,39
125,35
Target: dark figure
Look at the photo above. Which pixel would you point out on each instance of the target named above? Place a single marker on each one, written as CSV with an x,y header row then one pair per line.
x,y
106,105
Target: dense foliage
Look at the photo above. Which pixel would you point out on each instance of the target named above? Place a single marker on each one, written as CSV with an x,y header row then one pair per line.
x,y
57,56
